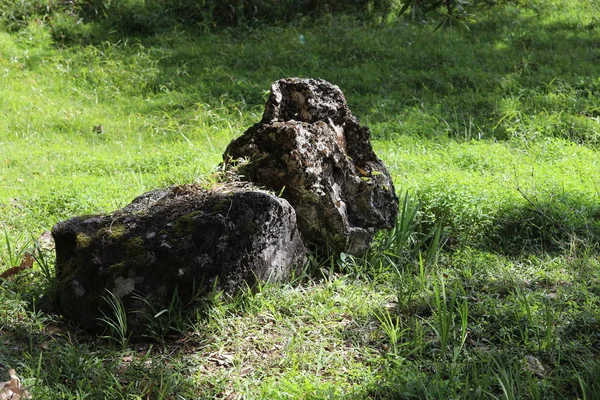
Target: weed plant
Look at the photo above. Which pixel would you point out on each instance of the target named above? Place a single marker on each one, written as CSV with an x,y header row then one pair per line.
x,y
488,287
115,320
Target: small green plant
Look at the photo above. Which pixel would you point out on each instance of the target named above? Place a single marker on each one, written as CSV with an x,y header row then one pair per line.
x,y
116,321
583,257
507,375
433,245
587,380
548,341
399,239
462,308
408,241
176,318
537,322
447,310
13,253
456,14
159,323
408,286
480,378
444,314
462,127
393,329
41,257
528,326
418,341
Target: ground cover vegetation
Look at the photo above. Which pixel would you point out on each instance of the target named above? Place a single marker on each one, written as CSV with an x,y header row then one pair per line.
x,y
489,287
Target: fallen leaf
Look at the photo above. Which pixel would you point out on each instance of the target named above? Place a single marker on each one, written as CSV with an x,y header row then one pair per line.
x,y
25,264
362,171
12,390
221,359
122,367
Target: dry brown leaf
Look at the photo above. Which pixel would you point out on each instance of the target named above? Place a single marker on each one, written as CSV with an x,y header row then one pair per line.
x,y
221,359
12,390
122,367
362,171
25,264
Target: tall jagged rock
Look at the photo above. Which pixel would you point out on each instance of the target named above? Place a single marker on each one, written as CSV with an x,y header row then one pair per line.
x,y
185,239
311,149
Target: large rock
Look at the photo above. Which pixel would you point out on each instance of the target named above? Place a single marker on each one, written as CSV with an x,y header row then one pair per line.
x,y
183,238
311,149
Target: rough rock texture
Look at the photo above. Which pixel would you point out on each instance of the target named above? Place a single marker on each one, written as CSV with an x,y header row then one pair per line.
x,y
310,147
180,238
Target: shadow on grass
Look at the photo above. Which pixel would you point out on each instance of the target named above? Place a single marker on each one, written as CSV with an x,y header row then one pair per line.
x,y
512,64
557,236
565,224
61,359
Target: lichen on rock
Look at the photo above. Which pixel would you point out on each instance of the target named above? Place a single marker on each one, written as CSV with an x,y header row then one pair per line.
x,y
175,241
311,149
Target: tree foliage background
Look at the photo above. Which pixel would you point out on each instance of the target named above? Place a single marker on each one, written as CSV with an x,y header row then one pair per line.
x,y
149,16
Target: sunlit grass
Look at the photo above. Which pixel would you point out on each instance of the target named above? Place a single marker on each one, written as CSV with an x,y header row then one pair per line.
x,y
491,135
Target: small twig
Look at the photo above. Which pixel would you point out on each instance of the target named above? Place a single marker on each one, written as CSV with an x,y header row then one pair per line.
x,y
538,210
534,205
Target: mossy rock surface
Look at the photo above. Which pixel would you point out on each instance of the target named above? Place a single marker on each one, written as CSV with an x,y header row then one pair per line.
x,y
182,239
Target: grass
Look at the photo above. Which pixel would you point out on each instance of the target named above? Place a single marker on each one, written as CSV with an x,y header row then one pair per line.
x,y
492,137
